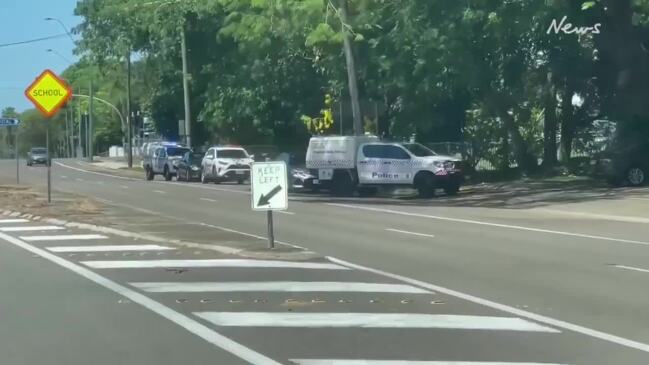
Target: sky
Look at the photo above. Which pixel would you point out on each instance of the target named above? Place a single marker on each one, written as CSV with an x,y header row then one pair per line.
x,y
21,64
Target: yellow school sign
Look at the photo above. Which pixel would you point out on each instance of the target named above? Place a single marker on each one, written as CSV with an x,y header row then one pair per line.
x,y
48,93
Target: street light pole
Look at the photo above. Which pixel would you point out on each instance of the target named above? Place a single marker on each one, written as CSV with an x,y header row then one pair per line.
x,y
129,133
90,126
188,114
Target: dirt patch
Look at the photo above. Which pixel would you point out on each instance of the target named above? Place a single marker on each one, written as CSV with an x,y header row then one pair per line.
x,y
29,200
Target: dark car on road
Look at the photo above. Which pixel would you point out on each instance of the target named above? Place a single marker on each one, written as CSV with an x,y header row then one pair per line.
x,y
189,167
37,155
625,159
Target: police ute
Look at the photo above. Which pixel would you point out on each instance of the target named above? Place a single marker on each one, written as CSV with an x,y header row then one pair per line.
x,y
346,164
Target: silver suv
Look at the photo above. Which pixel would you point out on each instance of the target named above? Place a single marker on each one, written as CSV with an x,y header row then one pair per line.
x,y
226,163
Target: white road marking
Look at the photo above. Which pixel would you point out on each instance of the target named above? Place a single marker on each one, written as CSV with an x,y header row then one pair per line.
x,y
178,318
404,362
505,308
123,186
159,192
284,212
65,237
469,221
278,286
209,200
30,228
410,233
79,179
607,217
370,320
109,248
631,268
63,177
212,263
14,221
252,235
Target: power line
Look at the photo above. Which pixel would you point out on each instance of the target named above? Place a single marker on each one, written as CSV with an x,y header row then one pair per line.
x,y
3,45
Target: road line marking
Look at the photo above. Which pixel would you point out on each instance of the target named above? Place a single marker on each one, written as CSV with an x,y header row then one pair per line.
x,y
109,248
178,318
608,217
370,320
159,191
14,221
410,233
209,200
195,186
404,362
78,179
30,228
63,177
284,212
469,221
631,268
212,263
505,308
278,286
123,186
65,237
252,235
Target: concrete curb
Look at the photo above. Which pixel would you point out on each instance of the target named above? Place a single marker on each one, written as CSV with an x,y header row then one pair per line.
x,y
117,232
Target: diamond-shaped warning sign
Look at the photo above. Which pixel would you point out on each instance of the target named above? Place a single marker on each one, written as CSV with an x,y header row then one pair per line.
x,y
48,93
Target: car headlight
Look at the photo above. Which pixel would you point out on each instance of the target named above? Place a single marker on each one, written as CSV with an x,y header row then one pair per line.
x,y
194,168
438,164
223,162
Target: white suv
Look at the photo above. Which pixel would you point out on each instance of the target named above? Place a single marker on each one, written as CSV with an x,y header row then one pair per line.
x,y
226,163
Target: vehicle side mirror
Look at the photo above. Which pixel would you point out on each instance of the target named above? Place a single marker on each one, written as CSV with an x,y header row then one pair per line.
x,y
252,157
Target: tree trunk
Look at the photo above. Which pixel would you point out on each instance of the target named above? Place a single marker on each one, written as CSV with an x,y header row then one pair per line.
x,y
525,160
568,123
550,126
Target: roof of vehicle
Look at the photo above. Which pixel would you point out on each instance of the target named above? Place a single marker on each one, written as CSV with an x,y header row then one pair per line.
x,y
219,148
38,148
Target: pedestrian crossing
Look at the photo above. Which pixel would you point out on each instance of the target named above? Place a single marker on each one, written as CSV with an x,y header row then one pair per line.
x,y
241,297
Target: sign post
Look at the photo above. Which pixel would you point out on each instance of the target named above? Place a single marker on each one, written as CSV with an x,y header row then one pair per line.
x,y
269,184
13,123
49,93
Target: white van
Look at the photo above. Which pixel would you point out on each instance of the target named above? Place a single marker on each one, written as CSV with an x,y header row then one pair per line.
x,y
363,163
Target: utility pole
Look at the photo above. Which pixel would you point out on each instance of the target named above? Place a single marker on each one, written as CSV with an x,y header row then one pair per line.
x,y
188,114
80,148
351,70
129,137
90,126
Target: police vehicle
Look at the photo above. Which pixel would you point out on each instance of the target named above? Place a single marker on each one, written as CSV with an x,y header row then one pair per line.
x,y
363,163
163,159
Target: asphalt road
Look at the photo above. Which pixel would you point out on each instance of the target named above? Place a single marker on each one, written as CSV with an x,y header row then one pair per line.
x,y
577,273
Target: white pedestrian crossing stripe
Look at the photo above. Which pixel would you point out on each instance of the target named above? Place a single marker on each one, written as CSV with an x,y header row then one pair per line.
x,y
140,264
278,286
30,228
65,237
405,362
109,248
370,320
3,221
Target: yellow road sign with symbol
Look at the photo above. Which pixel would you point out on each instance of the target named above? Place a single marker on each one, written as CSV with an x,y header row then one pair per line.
x,y
49,93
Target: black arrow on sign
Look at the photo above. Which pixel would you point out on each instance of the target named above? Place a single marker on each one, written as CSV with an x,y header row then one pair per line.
x,y
265,199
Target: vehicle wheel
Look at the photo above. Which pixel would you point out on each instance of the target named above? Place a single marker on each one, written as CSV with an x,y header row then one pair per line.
x,y
425,185
452,188
240,181
342,184
203,177
167,174
636,176
149,175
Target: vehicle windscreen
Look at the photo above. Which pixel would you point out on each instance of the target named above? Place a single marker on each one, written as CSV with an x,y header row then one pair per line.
x,y
176,151
419,150
39,151
234,153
